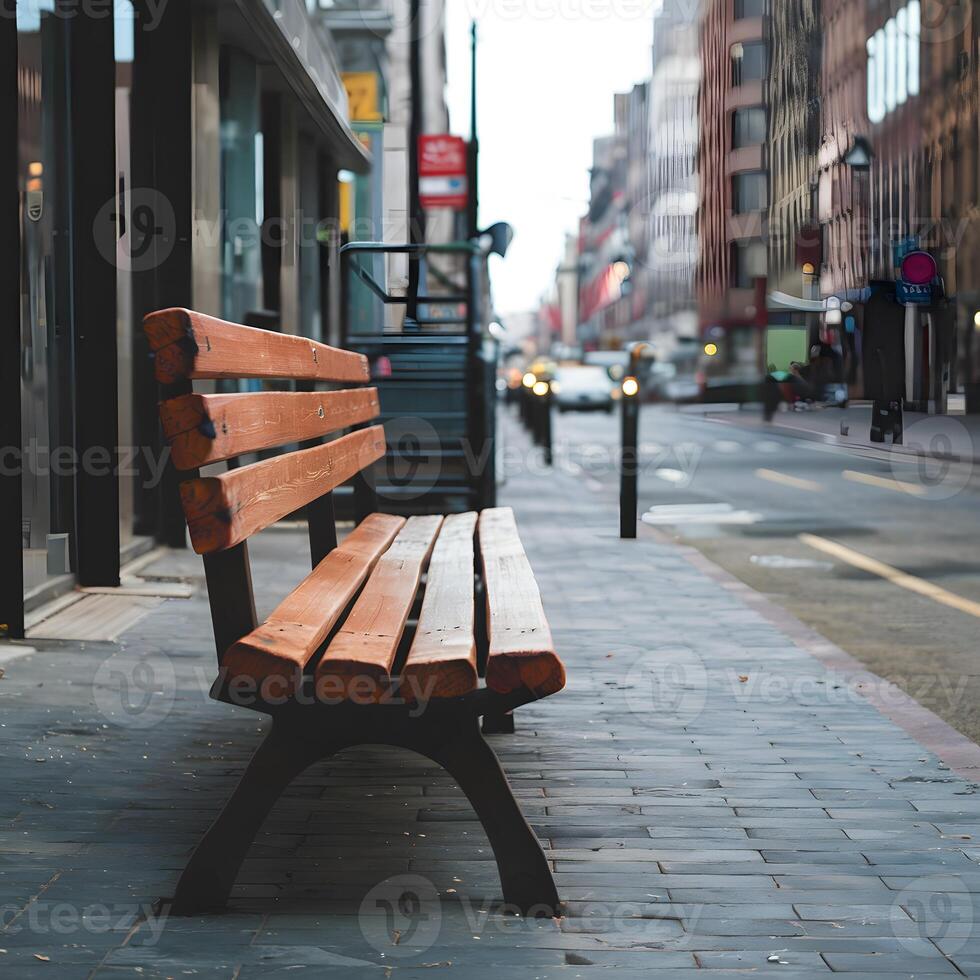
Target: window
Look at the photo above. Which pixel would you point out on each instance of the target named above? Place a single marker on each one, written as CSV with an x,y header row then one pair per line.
x,y
748,127
748,62
748,263
750,192
893,62
749,8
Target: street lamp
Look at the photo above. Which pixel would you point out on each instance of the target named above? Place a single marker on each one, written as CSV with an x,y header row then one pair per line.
x,y
860,154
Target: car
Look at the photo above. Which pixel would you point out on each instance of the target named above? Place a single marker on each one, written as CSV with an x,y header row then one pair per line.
x,y
614,362
584,387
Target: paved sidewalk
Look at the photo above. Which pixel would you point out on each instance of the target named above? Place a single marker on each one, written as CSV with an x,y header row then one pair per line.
x,y
949,437
711,794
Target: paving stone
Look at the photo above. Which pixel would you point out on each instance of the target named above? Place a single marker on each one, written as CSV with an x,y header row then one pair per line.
x,y
711,830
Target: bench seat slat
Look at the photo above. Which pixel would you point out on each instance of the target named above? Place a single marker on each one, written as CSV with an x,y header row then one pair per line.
x,y
188,346
442,659
203,429
522,653
367,643
224,510
284,644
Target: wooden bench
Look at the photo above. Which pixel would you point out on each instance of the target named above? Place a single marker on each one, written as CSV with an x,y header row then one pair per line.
x,y
338,662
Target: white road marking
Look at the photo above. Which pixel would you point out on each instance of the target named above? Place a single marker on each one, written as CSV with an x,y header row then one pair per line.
x,y
673,476
699,514
782,561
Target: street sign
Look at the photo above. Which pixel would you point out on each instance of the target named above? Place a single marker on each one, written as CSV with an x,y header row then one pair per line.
x,y
919,267
917,273
363,96
912,292
442,172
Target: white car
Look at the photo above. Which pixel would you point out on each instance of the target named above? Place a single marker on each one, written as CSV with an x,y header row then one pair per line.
x,y
585,387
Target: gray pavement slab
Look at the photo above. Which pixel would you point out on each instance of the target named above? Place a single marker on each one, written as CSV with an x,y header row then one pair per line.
x,y
710,795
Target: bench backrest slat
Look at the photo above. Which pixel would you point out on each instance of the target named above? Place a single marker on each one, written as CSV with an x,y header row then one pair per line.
x,y
224,510
189,346
204,429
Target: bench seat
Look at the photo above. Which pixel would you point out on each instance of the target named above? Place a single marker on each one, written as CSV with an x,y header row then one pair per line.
x,y
375,653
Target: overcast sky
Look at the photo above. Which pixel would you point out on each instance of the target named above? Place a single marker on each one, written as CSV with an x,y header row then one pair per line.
x,y
547,73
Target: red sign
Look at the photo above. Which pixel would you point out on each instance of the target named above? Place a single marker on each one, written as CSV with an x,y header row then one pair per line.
x,y
919,268
442,172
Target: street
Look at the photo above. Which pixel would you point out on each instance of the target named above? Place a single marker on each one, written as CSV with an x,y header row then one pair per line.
x,y
747,497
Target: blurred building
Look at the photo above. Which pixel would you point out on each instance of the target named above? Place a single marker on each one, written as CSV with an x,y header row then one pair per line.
x,y
373,40
898,168
734,187
670,252
793,100
603,247
949,37
843,197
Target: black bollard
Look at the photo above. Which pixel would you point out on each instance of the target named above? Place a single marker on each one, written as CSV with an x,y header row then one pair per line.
x,y
545,410
629,462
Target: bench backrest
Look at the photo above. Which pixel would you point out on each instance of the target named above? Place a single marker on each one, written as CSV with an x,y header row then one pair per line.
x,y
224,510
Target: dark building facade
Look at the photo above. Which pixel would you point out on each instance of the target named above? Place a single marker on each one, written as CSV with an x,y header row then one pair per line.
x,y
178,154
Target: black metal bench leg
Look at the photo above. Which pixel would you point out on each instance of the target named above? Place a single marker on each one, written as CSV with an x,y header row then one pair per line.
x,y
525,875
210,874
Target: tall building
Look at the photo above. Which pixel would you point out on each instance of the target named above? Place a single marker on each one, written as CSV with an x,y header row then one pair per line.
x,y
843,200
734,188
792,96
898,168
604,243
670,251
950,101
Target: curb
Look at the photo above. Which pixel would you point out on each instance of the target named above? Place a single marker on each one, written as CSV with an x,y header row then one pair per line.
x,y
952,748
829,440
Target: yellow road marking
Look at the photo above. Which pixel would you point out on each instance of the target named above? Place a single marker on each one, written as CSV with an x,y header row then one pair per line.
x,y
884,483
774,476
893,575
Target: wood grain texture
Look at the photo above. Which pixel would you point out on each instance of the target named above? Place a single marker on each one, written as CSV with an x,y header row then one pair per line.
x,y
204,429
275,654
357,663
522,652
223,510
442,659
189,345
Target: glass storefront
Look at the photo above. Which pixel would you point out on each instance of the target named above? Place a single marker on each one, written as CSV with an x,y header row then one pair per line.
x,y
46,394
227,110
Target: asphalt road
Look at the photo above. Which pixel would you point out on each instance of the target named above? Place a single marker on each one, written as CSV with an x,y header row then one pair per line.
x,y
878,552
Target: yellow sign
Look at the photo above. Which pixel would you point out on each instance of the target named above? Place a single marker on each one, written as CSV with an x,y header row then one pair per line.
x,y
363,96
